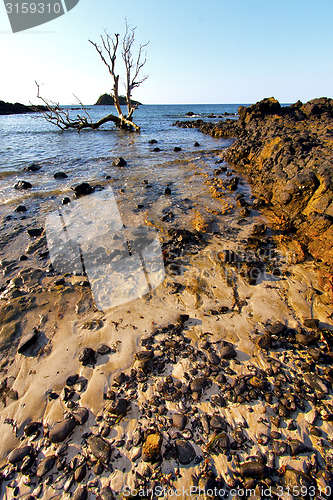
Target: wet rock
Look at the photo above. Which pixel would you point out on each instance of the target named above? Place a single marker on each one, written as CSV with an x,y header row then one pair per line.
x,y
19,454
80,415
281,448
177,149
32,168
156,150
167,191
257,383
205,423
83,189
105,494
295,479
46,465
198,384
100,448
119,378
60,175
213,358
119,162
65,200
27,341
254,469
61,430
22,185
196,144
218,423
185,452
87,356
153,141
179,421
117,407
151,447
228,352
80,493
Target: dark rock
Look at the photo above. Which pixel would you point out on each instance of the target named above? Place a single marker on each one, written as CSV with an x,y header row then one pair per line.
x,y
100,448
167,191
21,208
46,465
83,189
316,383
107,100
31,428
80,415
65,200
177,149
256,470
179,421
185,451
182,318
80,473
153,141
87,356
117,407
60,175
228,352
198,384
218,423
80,493
156,150
103,349
32,168
298,447
281,448
71,380
27,341
190,113
196,144
277,329
22,185
106,494
119,378
19,454
61,430
35,231
311,323
119,162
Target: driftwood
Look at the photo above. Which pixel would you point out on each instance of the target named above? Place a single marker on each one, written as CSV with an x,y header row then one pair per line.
x,y
108,53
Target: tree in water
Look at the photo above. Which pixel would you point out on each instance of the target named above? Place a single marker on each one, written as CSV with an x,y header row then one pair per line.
x,y
108,53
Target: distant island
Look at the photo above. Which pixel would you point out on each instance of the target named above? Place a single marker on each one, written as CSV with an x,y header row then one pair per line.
x,y
7,108
107,100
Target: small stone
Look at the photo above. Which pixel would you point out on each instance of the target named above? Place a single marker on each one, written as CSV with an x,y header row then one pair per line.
x,y
106,493
100,448
83,189
22,185
151,447
277,328
167,191
153,141
35,232
103,349
32,168
117,407
213,358
298,447
60,175
27,341
281,448
18,454
98,469
228,352
156,150
311,323
256,470
257,383
21,208
218,423
179,421
87,356
315,382
80,493
196,144
119,378
32,428
71,380
61,430
119,162
177,149
45,466
80,473
185,451
65,200
80,415
197,384
295,479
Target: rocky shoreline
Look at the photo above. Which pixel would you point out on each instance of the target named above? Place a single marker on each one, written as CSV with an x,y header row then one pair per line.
x,y
286,154
219,380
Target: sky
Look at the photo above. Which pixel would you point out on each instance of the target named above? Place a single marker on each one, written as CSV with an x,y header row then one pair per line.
x,y
200,51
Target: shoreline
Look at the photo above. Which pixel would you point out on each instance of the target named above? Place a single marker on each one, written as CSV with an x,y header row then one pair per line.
x,y
213,370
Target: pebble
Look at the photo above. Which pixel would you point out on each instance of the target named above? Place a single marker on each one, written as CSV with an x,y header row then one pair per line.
x,y
100,448
80,415
80,493
254,469
106,493
117,407
60,175
151,447
18,454
83,189
61,430
45,466
119,162
228,352
179,421
103,349
185,451
22,185
87,356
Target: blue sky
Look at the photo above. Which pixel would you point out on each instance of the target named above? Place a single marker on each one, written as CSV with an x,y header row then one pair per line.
x,y
212,51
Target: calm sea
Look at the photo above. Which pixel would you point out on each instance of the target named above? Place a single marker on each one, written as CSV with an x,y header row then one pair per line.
x,y
27,139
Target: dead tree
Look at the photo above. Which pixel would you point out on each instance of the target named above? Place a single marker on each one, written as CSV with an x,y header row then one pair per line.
x,y
108,53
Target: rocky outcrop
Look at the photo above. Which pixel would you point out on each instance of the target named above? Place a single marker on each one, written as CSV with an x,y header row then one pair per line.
x,y
107,100
286,152
7,108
